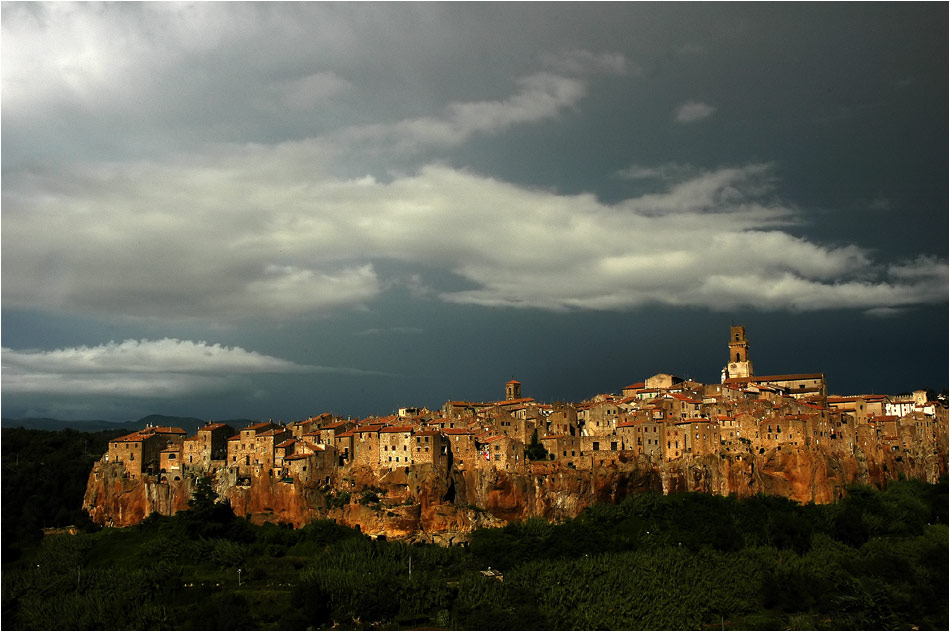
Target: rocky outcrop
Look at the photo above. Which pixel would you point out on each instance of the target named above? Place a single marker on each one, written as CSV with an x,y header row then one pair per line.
x,y
428,504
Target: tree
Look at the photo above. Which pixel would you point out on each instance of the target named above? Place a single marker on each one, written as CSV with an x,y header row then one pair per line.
x,y
203,497
535,451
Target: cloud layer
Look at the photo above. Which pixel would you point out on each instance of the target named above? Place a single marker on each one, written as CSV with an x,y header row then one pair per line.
x,y
245,235
136,368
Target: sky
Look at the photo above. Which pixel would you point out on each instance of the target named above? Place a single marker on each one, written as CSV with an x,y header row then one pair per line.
x,y
270,211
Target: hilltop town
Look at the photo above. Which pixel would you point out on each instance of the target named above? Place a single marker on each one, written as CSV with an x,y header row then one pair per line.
x,y
474,463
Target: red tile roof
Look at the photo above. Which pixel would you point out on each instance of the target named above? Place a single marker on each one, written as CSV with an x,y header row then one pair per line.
x,y
164,430
391,429
774,378
263,424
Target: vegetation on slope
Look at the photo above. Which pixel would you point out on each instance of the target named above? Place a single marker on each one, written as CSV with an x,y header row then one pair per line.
x,y
875,560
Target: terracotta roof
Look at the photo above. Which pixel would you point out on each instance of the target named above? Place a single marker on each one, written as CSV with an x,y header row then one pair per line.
x,y
391,429
165,430
263,424
512,382
288,442
684,398
236,437
634,386
212,426
509,402
295,457
133,436
272,432
192,438
457,431
368,428
348,433
774,378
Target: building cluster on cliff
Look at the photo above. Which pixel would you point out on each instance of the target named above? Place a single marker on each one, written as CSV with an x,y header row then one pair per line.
x,y
664,418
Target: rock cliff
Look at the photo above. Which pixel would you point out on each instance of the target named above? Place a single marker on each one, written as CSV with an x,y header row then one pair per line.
x,y
444,506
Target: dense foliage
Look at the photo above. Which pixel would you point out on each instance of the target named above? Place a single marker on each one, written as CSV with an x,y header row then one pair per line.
x,y
44,479
875,560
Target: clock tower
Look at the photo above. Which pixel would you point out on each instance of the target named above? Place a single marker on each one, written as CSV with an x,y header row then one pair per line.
x,y
739,364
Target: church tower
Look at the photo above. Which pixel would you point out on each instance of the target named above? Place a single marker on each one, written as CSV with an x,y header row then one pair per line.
x,y
739,364
513,390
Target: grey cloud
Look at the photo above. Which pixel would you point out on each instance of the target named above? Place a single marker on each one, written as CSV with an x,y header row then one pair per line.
x,y
224,243
150,369
693,111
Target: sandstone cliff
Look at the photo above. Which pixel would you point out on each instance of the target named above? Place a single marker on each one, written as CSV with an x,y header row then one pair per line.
x,y
445,506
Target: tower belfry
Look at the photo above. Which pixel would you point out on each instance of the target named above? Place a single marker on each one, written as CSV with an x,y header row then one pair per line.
x,y
739,364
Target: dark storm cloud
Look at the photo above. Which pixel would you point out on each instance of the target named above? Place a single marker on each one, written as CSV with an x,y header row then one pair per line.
x,y
243,171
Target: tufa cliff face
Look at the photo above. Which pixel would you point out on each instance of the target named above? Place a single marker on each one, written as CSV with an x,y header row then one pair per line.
x,y
430,504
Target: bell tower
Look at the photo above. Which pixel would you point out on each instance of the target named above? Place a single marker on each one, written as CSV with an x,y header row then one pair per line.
x,y
739,364
513,390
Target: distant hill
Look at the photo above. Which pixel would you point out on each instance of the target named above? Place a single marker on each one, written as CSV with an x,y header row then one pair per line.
x,y
188,424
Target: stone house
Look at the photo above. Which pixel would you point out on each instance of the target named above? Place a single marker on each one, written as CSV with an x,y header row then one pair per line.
x,y
662,381
510,425
675,447
170,463
701,436
209,444
428,446
461,445
366,445
562,420
318,467
600,418
329,431
631,389
394,444
562,447
344,447
139,451
311,424
501,452
245,455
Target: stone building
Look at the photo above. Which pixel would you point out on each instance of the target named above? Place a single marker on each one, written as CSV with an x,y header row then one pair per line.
x,y
428,446
461,445
329,431
139,452
366,445
701,436
209,444
501,453
170,463
247,455
394,444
